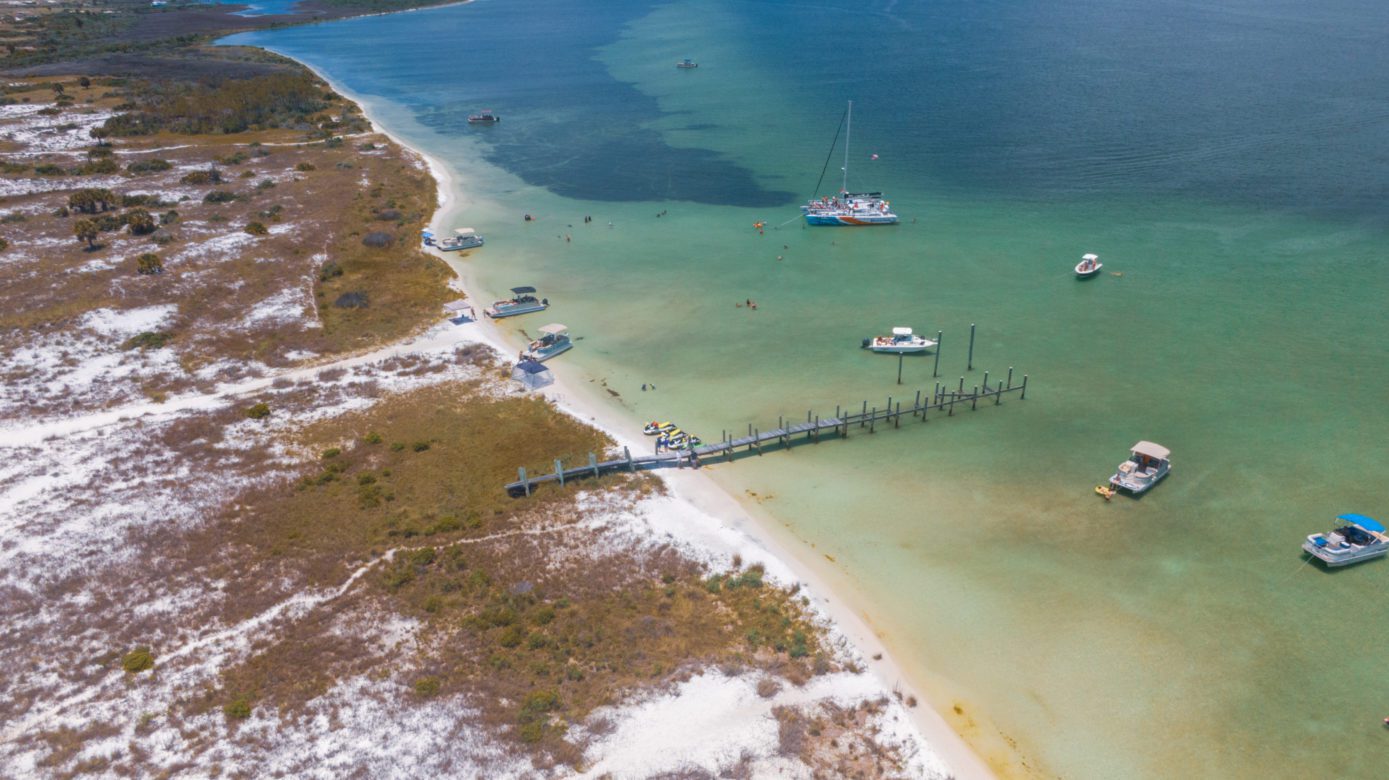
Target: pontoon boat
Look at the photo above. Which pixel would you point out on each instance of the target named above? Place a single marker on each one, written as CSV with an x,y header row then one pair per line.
x,y
1147,463
1359,538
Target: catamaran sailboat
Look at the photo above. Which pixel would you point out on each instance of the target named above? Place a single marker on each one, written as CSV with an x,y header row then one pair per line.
x,y
849,208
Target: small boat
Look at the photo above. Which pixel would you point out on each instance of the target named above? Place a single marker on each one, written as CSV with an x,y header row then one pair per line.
x,y
554,339
484,118
522,301
1359,538
902,340
1104,491
1089,266
654,427
849,208
687,64
1147,463
685,443
463,238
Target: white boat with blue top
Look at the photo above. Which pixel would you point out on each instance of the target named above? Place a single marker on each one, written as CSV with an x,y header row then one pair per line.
x,y
1147,464
522,301
849,208
554,339
1358,538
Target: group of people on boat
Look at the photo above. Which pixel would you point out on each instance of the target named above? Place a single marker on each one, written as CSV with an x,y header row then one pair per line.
x,y
848,204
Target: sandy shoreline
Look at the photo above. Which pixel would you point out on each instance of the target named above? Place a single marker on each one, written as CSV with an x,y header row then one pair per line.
x,y
707,499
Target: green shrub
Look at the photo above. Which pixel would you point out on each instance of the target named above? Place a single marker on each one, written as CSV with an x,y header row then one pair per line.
x,y
372,437
331,452
140,222
420,446
238,708
149,264
257,229
426,687
168,218
138,660
265,184
329,270
208,176
258,411
147,340
305,167
511,636
50,169
220,196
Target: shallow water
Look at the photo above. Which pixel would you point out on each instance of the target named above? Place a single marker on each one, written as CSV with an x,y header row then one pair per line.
x,y
1225,160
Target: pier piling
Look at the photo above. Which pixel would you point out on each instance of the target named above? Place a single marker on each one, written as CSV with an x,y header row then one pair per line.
x,y
935,372
969,365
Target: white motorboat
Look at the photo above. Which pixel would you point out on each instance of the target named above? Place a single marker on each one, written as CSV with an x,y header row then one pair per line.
x,y
902,340
1359,538
1089,266
1147,463
463,238
522,301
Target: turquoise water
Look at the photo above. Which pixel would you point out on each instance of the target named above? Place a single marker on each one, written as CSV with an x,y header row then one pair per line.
x,y
1226,162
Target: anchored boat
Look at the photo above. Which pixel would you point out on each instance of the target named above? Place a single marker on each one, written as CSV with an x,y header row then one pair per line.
x,y
554,339
484,118
1359,538
463,238
656,426
1088,266
522,301
687,64
1147,463
848,208
902,340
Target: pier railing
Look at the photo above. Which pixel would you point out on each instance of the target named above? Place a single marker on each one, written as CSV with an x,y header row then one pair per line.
x,y
942,398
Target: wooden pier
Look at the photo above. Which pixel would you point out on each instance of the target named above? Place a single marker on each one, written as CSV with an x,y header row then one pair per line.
x,y
941,399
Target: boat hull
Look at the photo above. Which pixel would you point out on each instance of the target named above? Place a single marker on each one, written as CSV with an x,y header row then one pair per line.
x,y
1138,486
1335,561
850,220
498,313
457,246
544,354
903,350
1089,274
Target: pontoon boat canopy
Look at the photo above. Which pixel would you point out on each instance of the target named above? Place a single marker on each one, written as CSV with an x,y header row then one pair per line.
x,y
1368,523
1090,257
464,232
901,331
554,329
522,290
1151,450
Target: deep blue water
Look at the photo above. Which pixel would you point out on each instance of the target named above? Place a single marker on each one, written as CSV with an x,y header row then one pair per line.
x,y
1279,105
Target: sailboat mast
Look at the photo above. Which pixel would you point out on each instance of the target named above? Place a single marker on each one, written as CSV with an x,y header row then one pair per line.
x,y
848,134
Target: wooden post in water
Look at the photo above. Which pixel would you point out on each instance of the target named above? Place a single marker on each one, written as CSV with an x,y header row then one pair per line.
x,y
935,372
864,414
900,355
986,381
873,419
525,482
916,405
897,423
998,394
559,470
1024,387
1010,377
817,429
970,365
961,390
757,440
974,399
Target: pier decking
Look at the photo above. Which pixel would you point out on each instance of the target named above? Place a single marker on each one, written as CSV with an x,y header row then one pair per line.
x,y
941,398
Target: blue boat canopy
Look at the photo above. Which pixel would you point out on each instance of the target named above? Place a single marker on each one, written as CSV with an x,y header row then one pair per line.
x,y
1368,523
521,290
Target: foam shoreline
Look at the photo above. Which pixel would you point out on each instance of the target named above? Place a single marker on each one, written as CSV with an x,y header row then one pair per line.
x,y
707,503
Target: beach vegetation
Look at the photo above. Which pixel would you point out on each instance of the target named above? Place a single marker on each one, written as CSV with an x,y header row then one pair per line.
x,y
138,660
147,340
258,411
149,264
